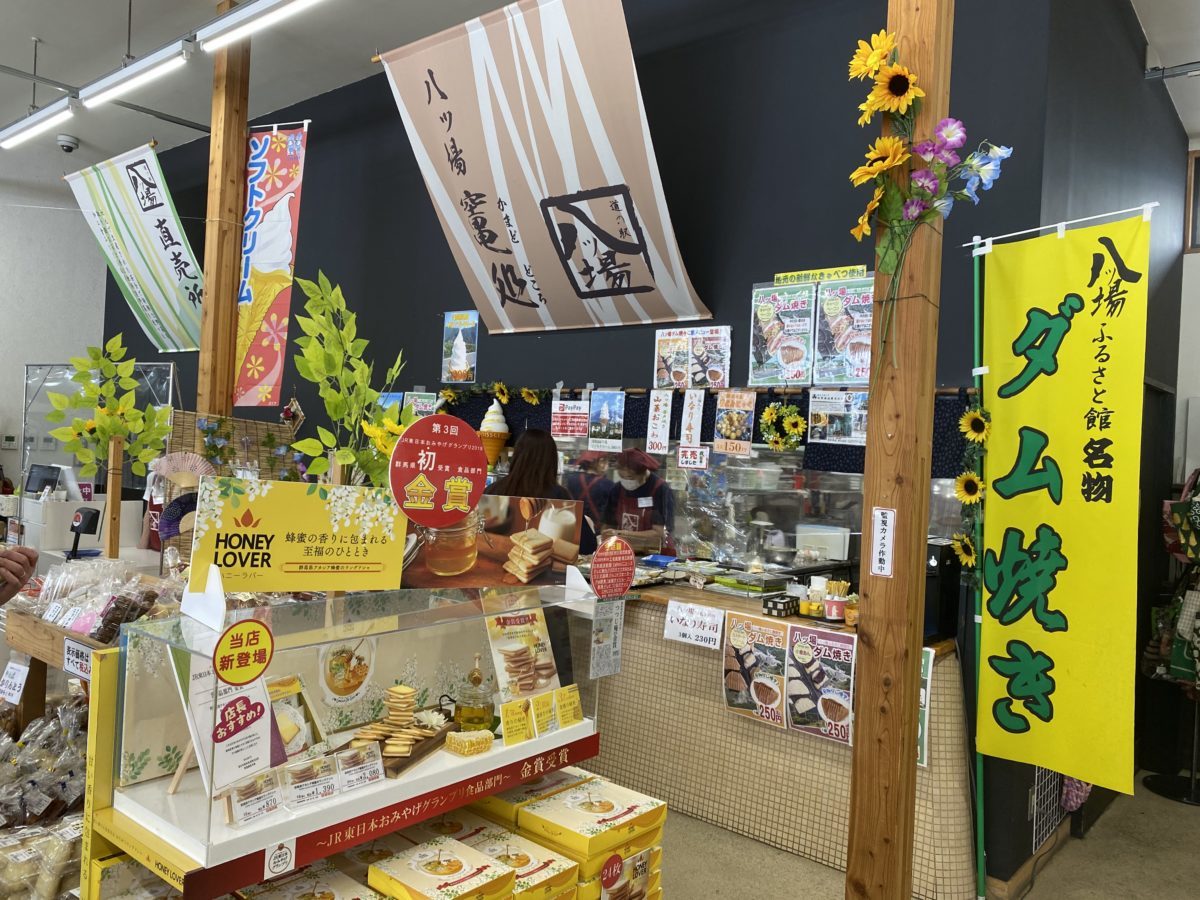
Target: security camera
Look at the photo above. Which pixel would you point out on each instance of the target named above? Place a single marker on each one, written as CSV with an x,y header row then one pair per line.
x,y
67,143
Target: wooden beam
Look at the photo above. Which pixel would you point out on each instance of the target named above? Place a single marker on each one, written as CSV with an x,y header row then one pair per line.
x,y
223,230
899,442
112,501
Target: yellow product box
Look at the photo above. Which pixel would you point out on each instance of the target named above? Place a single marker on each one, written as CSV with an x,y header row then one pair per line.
x,y
321,879
594,817
123,877
643,887
442,869
503,806
460,824
542,874
649,843
355,861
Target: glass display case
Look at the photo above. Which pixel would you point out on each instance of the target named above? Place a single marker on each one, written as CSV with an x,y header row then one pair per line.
x,y
353,718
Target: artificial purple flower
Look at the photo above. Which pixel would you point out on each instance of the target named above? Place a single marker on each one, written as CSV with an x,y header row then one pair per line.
x,y
946,155
950,133
925,180
926,150
913,209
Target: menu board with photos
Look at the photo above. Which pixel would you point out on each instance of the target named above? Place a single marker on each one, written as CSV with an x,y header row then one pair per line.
x,y
843,332
781,324
692,357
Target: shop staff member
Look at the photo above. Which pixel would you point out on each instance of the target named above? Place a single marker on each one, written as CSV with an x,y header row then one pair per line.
x,y
17,565
591,485
642,509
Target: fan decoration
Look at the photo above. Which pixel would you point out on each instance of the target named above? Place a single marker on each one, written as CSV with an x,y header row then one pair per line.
x,y
185,469
174,519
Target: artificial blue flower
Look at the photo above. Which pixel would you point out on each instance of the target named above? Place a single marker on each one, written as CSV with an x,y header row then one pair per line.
x,y
969,190
220,441
997,152
988,171
944,205
202,424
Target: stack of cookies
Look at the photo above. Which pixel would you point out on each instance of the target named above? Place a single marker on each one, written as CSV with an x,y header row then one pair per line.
x,y
530,555
526,670
397,731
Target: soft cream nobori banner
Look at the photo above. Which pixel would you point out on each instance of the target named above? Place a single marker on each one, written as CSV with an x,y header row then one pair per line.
x,y
529,129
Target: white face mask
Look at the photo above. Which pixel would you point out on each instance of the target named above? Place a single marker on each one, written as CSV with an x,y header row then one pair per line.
x,y
630,484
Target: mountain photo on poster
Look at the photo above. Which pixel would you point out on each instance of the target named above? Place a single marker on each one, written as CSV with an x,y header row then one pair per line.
x,y
528,127
606,421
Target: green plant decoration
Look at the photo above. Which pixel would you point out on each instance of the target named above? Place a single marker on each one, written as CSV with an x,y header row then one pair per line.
x,y
107,395
331,357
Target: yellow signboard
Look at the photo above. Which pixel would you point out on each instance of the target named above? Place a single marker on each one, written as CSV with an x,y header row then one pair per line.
x,y
1064,343
286,535
810,276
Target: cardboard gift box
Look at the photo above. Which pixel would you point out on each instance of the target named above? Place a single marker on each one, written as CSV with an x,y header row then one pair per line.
x,y
649,843
321,879
460,824
355,861
442,869
642,887
591,818
503,807
542,873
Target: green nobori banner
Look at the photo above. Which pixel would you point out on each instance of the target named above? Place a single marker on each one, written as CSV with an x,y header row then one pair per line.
x,y
126,202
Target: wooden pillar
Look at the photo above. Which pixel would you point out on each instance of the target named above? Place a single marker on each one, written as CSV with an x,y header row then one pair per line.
x,y
112,502
223,230
899,441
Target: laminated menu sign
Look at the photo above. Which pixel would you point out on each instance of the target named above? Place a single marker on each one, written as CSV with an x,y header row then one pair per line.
x,y
837,417
755,648
844,313
569,419
734,427
693,623
781,323
820,682
692,357
693,417
658,426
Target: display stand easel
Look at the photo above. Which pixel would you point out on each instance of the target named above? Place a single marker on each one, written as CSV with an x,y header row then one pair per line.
x,y
1181,788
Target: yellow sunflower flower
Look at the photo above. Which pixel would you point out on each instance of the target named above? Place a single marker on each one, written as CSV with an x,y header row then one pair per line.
x,y
776,443
769,415
371,431
500,392
869,57
964,549
864,221
886,153
90,425
865,113
449,395
392,427
895,89
974,426
382,446
530,396
968,488
794,425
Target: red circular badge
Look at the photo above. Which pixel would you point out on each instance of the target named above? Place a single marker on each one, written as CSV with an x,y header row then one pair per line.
x,y
614,867
612,568
438,471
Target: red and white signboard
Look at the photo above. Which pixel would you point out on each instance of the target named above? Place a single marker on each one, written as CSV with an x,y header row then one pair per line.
x,y
438,471
569,418
612,569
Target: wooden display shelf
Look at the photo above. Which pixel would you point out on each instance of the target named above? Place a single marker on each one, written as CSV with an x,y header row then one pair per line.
x,y
43,641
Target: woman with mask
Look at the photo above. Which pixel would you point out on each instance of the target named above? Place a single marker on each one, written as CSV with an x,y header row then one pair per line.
x,y
642,507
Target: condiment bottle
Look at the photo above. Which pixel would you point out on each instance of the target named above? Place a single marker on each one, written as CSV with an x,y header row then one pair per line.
x,y
473,710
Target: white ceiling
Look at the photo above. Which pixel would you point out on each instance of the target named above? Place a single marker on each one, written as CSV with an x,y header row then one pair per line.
x,y
318,50
1173,29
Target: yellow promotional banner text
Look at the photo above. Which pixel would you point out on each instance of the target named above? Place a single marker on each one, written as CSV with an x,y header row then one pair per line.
x,y
290,536
1064,343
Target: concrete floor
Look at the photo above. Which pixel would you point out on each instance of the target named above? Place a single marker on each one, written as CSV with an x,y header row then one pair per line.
x,y
1143,846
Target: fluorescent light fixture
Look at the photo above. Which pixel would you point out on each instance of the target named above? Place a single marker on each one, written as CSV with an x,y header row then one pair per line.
x,y
37,122
243,21
137,73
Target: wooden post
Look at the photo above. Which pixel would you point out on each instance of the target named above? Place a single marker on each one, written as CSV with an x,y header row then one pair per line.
x,y
223,230
112,504
899,441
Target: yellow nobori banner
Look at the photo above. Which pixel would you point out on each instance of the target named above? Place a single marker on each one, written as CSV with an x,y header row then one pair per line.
x,y
1064,342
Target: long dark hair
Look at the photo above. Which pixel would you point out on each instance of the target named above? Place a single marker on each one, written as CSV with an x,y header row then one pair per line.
x,y
534,469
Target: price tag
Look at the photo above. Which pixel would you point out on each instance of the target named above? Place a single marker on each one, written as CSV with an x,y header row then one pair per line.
x,y
12,683
693,623
53,611
77,659
68,618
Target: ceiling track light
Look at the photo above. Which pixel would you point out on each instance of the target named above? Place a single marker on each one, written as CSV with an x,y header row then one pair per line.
x,y
243,21
38,122
134,75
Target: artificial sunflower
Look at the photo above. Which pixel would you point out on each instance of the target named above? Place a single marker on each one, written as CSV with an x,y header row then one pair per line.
x,y
374,432
449,395
865,114
864,221
895,89
90,425
500,392
886,153
975,426
530,396
392,427
776,443
968,488
869,57
794,424
769,415
964,549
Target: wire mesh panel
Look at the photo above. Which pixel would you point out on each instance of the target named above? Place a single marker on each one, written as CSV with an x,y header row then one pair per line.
x,y
1047,805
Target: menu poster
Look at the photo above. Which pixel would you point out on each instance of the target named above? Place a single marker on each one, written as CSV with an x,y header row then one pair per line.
x,y
658,428
734,427
837,417
844,311
923,709
692,357
422,403
820,682
460,344
693,418
568,419
781,323
606,421
755,648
